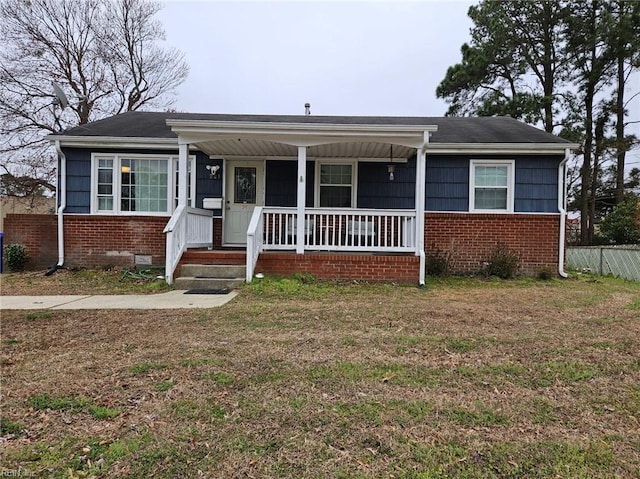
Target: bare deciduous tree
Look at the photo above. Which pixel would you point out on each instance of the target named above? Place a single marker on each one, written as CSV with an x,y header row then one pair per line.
x,y
107,56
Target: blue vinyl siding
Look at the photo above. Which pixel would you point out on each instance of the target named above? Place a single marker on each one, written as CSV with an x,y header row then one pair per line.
x,y
78,180
79,176
536,184
281,185
207,187
447,183
375,190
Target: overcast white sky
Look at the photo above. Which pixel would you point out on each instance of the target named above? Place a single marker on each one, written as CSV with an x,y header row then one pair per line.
x,y
345,58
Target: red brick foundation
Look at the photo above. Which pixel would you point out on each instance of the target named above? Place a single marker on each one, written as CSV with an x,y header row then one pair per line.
x,y
39,234
470,238
403,269
99,241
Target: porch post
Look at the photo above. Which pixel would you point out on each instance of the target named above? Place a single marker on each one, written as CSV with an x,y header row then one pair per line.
x,y
421,169
302,189
183,177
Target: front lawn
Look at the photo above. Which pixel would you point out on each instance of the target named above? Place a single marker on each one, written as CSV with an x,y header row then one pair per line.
x,y
295,378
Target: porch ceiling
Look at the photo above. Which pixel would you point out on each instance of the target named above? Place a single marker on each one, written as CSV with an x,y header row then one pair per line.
x,y
262,148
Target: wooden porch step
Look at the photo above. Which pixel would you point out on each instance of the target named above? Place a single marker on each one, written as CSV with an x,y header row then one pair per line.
x,y
214,257
227,271
189,282
210,276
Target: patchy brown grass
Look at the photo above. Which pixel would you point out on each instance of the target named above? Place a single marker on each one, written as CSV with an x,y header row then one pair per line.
x,y
71,281
466,378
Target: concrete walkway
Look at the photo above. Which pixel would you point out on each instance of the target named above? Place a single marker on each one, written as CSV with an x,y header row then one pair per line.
x,y
171,300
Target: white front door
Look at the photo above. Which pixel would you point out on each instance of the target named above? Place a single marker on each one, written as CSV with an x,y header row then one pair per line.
x,y
245,190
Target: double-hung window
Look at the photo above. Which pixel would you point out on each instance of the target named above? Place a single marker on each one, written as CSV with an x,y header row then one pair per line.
x,y
335,185
491,185
135,184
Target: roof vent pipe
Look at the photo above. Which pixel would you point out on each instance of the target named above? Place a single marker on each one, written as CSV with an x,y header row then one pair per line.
x,y
307,108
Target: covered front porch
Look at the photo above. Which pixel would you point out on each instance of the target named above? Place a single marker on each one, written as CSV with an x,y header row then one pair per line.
x,y
305,187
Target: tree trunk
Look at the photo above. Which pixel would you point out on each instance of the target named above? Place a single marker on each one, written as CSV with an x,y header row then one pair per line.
x,y
621,149
586,222
548,66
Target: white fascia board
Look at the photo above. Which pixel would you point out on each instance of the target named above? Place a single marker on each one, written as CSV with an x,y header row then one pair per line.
x,y
501,148
115,142
258,126
297,134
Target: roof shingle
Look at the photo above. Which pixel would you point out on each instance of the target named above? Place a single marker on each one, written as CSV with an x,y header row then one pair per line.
x,y
138,124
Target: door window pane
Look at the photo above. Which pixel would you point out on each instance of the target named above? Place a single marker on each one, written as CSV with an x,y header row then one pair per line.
x,y
245,185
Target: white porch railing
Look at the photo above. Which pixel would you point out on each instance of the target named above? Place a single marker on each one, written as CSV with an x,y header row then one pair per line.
x,y
188,227
255,241
325,229
341,230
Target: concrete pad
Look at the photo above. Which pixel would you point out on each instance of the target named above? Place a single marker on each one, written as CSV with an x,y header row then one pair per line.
x,y
37,302
171,300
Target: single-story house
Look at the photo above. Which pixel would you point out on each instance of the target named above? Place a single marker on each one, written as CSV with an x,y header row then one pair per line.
x,y
347,197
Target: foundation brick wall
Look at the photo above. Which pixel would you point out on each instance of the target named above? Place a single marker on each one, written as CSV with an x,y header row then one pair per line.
x,y
471,237
402,269
39,234
98,241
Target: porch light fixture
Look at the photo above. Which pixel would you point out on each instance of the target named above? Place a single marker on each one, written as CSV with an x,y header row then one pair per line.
x,y
391,168
213,171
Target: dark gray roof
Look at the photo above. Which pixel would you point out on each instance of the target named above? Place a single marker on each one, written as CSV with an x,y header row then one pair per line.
x,y
450,129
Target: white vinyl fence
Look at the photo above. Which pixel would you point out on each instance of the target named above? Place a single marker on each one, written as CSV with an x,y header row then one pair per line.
x,y
621,261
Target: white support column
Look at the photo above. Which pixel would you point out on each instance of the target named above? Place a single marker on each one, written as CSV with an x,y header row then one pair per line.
x,y
183,177
302,192
421,168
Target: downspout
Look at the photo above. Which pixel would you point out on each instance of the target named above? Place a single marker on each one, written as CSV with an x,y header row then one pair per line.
x,y
562,202
61,195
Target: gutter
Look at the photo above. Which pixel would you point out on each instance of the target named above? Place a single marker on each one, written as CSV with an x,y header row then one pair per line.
x,y
61,195
562,201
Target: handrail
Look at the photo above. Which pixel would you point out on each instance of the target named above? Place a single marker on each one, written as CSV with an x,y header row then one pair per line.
x,y
187,227
176,231
255,241
173,221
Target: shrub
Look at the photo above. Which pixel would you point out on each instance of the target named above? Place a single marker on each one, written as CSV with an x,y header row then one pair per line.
x,y
545,274
438,263
503,262
16,256
622,225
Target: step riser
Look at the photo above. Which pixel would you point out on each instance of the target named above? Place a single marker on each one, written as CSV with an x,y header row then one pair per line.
x,y
207,283
212,271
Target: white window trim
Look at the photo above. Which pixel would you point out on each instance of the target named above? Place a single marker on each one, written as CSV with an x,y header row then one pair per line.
x,y
354,179
192,181
117,158
511,177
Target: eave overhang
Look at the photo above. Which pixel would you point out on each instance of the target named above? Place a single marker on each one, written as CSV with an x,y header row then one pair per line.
x,y
301,134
